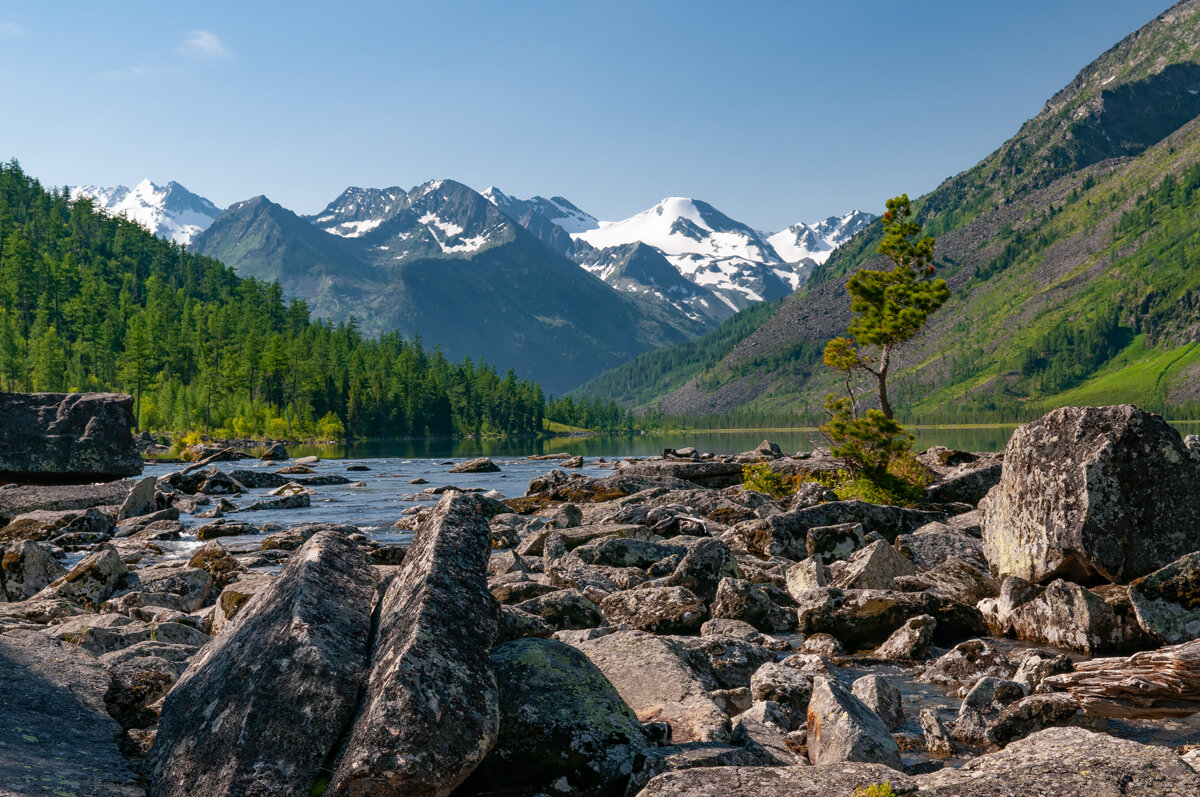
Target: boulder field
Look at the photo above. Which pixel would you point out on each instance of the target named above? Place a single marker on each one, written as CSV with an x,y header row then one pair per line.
x,y
1031,628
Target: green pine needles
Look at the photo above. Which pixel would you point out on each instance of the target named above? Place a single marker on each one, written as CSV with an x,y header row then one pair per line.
x,y
890,308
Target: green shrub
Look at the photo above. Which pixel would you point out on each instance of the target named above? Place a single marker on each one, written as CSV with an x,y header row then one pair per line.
x,y
763,480
875,790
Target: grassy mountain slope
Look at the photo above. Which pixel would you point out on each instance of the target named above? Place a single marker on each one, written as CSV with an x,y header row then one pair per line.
x,y
1070,251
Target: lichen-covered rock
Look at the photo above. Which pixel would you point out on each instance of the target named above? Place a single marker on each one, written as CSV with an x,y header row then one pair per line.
x,y
655,678
1031,714
563,727
966,484
835,543
1062,614
737,599
241,718
564,609
67,437
479,465
140,500
1067,762
982,705
690,755
812,573
794,781
968,661
787,686
878,694
938,741
436,625
515,624
42,525
1167,601
910,641
26,568
874,567
184,589
56,735
137,682
92,581
864,618
659,610
842,728
1090,492
725,661
702,567
1036,668
225,528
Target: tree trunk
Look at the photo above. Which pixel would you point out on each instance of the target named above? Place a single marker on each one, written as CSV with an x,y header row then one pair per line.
x,y
884,361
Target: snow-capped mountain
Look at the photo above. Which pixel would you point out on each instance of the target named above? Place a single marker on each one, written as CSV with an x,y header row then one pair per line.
x,y
817,241
169,211
439,218
707,247
359,210
558,210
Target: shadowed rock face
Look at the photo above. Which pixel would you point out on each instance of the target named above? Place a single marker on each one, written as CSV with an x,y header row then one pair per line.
x,y
431,712
262,707
563,727
65,438
1092,493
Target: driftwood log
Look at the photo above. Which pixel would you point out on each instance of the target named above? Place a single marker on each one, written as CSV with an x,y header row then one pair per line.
x,y
1148,685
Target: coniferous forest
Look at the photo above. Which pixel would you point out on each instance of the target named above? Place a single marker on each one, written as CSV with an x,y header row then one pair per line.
x,y
91,302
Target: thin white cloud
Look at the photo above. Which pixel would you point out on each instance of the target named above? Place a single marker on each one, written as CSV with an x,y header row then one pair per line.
x,y
13,30
204,44
130,72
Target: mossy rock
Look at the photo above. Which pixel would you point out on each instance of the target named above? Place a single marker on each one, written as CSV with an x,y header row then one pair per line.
x,y
563,727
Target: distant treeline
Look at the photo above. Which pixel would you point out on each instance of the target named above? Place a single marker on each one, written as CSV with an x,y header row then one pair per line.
x,y
90,302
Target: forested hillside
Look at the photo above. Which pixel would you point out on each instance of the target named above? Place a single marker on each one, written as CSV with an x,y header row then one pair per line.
x,y
90,302
1071,252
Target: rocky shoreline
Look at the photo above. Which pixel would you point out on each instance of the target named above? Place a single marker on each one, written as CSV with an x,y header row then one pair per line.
x,y
1030,629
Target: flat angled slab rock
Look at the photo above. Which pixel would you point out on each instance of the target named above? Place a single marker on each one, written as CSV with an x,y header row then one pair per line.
x,y
706,474
825,780
1067,762
1087,492
431,711
1167,601
653,675
56,737
18,499
63,438
260,709
842,728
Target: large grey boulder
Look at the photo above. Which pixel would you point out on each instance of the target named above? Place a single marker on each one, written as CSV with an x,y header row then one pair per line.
x,y
56,737
563,727
91,582
67,437
1067,762
431,711
261,708
842,728
18,499
1087,492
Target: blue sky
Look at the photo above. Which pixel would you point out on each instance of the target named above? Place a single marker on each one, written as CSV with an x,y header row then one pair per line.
x,y
772,111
